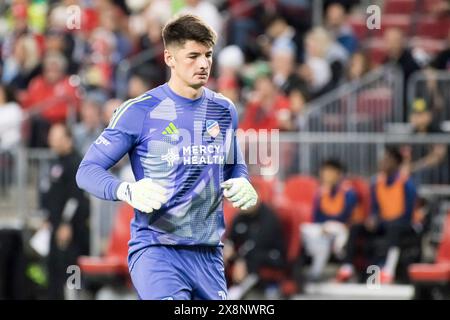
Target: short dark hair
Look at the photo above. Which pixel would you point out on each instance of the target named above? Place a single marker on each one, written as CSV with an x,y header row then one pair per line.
x,y
395,154
334,164
188,27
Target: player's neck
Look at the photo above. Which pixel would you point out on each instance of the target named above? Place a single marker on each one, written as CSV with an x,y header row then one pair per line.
x,y
184,90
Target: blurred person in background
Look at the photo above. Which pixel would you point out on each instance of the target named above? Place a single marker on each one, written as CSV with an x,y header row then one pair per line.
x,y
400,56
279,34
68,211
151,40
10,119
50,97
393,198
230,61
336,23
89,128
282,63
108,110
333,207
298,95
358,66
254,243
324,62
206,11
442,59
138,84
11,116
425,161
265,107
24,63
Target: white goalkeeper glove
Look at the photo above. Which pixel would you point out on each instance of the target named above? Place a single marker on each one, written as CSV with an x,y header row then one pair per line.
x,y
240,192
144,195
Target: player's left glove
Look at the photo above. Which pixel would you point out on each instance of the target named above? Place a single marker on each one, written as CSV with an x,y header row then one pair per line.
x,y
240,192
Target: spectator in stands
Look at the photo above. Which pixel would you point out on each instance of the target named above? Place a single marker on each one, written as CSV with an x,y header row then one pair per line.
x,y
68,211
113,20
244,22
336,23
108,110
205,10
10,119
266,106
393,198
152,41
50,97
298,97
254,243
324,61
90,127
23,65
401,57
334,205
358,66
230,61
138,84
442,60
279,35
425,161
282,62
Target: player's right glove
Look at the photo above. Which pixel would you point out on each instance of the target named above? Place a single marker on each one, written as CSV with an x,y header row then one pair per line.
x,y
144,195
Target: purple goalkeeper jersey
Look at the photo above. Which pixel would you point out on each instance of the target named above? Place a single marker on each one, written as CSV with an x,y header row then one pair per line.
x,y
187,146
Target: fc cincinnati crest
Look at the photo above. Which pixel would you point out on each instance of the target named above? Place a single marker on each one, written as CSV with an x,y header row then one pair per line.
x,y
212,127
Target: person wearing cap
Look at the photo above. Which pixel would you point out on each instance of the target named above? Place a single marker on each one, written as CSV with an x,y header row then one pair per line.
x,y
425,161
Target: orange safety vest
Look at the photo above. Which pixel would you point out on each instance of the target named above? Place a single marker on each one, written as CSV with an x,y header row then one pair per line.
x,y
331,205
391,199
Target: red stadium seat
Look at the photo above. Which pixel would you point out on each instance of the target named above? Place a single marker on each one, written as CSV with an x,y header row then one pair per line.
x,y
399,6
438,272
428,5
296,208
362,189
432,28
399,21
114,262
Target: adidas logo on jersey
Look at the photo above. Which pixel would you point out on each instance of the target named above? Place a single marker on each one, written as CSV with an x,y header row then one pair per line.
x,y
170,129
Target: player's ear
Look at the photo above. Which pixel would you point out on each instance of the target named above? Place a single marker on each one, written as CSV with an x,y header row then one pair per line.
x,y
168,58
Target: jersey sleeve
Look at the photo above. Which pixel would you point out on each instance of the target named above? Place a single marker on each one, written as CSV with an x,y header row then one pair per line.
x,y
235,166
119,138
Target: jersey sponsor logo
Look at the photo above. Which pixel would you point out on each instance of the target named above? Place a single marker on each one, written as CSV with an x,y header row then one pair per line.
x,y
171,157
102,140
212,127
203,154
170,129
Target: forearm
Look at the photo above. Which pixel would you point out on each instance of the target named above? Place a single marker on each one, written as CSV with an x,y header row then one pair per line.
x,y
96,180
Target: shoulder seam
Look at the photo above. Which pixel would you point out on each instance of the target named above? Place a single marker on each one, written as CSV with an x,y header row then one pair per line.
x,y
125,106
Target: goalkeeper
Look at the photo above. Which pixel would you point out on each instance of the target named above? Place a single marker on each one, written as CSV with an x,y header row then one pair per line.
x,y
180,138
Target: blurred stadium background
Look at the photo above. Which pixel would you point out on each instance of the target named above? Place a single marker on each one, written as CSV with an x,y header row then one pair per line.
x,y
312,69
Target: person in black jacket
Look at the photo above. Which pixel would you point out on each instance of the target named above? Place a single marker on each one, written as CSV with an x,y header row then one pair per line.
x,y
68,211
255,242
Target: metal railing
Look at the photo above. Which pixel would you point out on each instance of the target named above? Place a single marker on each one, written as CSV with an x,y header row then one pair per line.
x,y
364,105
433,88
303,153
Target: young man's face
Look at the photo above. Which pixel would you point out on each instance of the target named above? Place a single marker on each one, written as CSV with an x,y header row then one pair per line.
x,y
190,63
330,176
